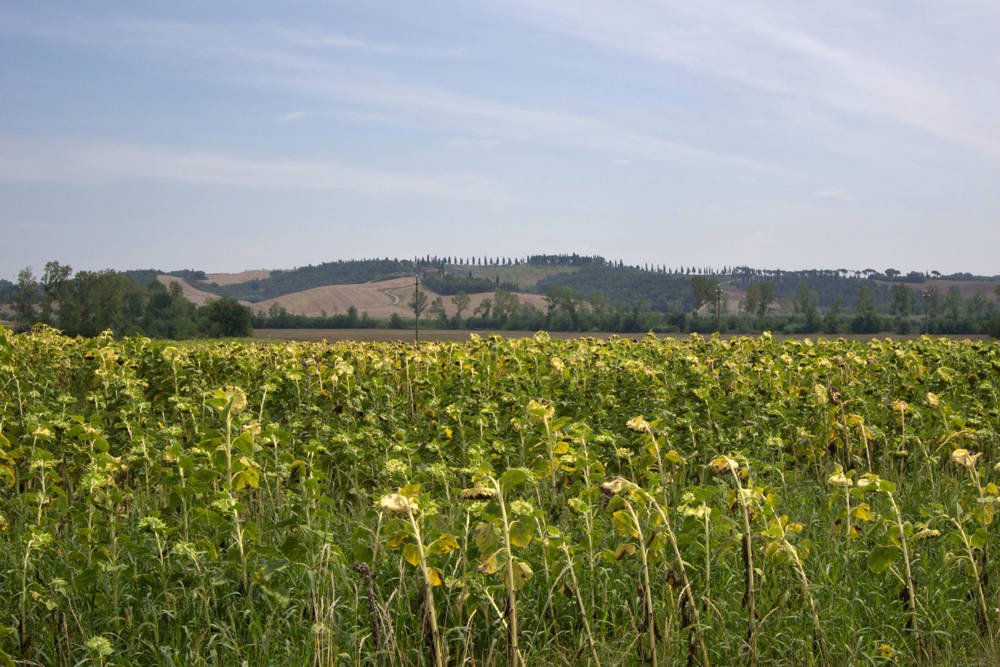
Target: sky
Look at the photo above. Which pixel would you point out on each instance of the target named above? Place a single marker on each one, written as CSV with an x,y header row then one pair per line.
x,y
232,135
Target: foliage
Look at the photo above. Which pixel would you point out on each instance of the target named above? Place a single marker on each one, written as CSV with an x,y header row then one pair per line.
x,y
628,286
659,501
454,283
90,303
228,317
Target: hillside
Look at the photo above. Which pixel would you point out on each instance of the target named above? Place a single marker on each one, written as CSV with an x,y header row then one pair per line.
x,y
380,299
382,287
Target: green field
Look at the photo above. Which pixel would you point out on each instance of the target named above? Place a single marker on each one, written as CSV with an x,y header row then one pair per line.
x,y
498,501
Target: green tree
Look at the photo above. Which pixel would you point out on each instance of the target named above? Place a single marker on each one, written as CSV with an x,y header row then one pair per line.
x,y
805,304
418,302
899,304
865,320
24,299
599,302
436,309
227,317
953,304
55,288
461,302
704,290
561,299
505,305
831,323
484,308
767,296
751,301
977,304
899,300
759,296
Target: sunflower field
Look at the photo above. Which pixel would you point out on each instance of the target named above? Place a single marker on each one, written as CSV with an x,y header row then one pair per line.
x,y
498,502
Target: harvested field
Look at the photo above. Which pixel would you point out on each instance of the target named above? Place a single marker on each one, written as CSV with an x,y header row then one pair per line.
x,y
192,294
222,279
379,299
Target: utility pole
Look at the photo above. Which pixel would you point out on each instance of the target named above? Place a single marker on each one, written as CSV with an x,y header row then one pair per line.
x,y
416,297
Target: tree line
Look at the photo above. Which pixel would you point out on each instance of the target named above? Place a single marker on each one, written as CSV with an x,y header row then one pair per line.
x,y
595,296
91,302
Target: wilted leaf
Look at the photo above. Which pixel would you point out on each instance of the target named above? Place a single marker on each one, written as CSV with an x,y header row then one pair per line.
x,y
443,544
521,574
624,549
863,512
520,534
488,565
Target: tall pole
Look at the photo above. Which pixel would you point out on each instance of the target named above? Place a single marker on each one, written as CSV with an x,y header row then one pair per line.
x,y
416,304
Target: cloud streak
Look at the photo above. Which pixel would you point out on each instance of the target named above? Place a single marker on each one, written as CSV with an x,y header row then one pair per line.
x,y
806,56
290,117
95,162
295,60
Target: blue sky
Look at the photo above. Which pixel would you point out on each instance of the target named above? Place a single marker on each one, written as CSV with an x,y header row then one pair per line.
x,y
236,135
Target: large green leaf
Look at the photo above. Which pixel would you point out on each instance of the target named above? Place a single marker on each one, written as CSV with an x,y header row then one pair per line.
x,y
881,557
514,477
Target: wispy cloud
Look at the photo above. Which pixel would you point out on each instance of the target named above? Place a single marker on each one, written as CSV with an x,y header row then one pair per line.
x,y
291,116
834,193
96,162
297,60
806,54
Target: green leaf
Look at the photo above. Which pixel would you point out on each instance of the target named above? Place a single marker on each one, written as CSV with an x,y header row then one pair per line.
x,y
485,536
513,477
978,538
881,557
294,550
411,553
244,443
577,505
886,486
362,553
520,534
621,521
